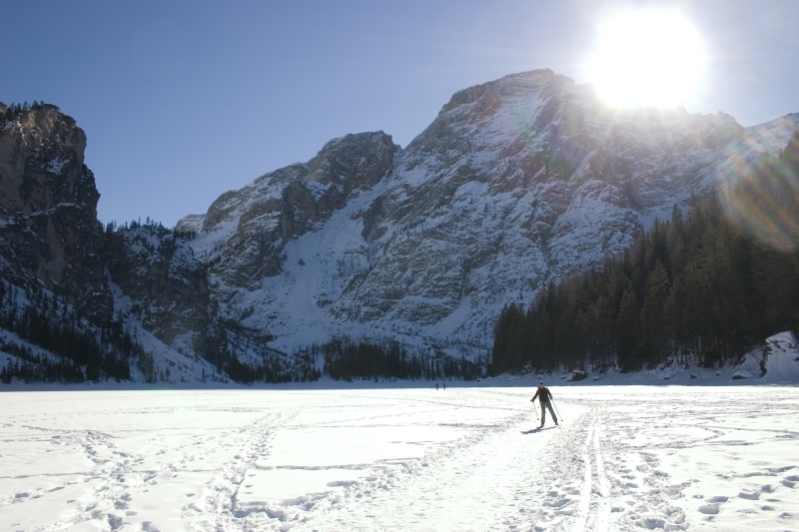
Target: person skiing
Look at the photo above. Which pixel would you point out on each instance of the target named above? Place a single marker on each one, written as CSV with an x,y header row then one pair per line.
x,y
544,395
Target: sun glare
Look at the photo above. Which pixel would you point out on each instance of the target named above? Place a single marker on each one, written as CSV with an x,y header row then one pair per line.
x,y
647,58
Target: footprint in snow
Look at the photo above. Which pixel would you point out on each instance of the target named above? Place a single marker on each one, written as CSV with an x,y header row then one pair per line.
x,y
709,509
712,505
790,481
114,521
559,502
752,496
651,523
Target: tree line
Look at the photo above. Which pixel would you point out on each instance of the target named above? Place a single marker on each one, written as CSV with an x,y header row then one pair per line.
x,y
82,351
225,343
699,289
349,359
15,109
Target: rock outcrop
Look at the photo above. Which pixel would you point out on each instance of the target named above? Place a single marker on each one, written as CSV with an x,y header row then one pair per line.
x,y
48,209
166,285
245,231
514,184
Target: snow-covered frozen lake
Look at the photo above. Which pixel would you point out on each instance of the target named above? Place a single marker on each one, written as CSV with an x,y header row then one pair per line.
x,y
626,458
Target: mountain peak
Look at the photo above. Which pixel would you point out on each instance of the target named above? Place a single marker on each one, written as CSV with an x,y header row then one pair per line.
x,y
470,95
515,183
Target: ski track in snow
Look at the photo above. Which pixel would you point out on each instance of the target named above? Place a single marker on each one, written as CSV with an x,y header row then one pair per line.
x,y
461,487
624,459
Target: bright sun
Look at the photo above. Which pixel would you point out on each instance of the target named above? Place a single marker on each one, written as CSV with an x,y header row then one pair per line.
x,y
647,58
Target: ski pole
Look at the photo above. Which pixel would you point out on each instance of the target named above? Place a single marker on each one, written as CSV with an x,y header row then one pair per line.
x,y
556,408
537,415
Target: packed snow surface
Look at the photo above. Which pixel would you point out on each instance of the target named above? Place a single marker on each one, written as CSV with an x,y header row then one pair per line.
x,y
624,458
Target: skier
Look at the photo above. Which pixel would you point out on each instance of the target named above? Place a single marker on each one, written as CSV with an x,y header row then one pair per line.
x,y
544,396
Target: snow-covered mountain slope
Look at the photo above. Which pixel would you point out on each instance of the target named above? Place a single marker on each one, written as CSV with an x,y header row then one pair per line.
x,y
245,231
166,284
516,183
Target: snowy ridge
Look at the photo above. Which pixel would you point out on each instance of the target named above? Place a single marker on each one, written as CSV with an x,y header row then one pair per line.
x,y
516,183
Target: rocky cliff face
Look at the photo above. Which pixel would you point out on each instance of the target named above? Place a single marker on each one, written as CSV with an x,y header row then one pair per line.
x,y
514,184
166,285
245,232
141,280
48,218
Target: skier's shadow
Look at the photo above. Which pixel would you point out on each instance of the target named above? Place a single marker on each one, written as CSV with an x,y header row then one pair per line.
x,y
533,431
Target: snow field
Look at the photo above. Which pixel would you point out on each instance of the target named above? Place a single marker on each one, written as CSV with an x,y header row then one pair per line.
x,y
626,458
680,458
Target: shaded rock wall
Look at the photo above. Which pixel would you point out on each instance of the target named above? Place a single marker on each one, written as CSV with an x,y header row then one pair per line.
x,y
48,209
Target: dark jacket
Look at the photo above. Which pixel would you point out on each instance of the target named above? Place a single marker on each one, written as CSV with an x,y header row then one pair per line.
x,y
543,394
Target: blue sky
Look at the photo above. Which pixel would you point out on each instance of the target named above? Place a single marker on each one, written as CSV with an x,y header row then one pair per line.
x,y
182,101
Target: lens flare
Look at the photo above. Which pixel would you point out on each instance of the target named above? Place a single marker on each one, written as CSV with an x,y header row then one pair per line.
x,y
763,200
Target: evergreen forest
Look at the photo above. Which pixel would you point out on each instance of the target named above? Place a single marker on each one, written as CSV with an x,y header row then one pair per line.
x,y
700,289
58,346
349,359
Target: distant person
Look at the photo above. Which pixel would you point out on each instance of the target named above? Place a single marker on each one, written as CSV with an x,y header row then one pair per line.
x,y
544,396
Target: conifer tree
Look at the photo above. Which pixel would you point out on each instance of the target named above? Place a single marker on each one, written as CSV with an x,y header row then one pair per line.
x,y
627,333
653,316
